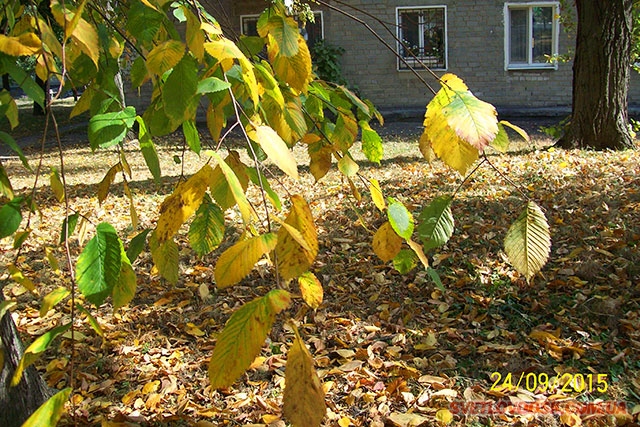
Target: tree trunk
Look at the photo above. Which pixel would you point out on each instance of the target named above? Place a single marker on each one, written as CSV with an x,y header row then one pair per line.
x,y
37,109
19,402
601,67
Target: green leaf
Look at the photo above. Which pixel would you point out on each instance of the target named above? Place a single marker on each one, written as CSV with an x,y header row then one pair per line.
x,y
53,298
109,129
148,150
10,217
282,28
6,189
37,347
68,224
405,261
501,141
237,261
56,184
99,264
5,306
371,143
234,184
243,336
528,241
92,320
49,413
207,228
166,257
165,56
211,85
137,244
400,218
191,135
144,21
436,279
436,223
179,90
125,288
24,80
8,139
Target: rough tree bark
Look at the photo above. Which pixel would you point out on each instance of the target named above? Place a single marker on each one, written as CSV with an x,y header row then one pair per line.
x,y
19,402
601,68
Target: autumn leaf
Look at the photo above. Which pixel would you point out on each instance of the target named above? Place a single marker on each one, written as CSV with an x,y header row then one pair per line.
x,y
242,337
311,289
293,259
386,242
303,394
276,149
237,262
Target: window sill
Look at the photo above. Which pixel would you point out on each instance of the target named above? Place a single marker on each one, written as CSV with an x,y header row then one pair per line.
x,y
533,67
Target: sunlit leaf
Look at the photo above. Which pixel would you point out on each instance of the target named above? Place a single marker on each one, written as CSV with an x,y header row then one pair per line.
x,y
207,228
293,259
18,276
405,261
148,150
68,226
376,195
276,149
261,181
444,416
528,241
436,222
105,184
125,288
93,322
211,85
386,242
35,349
348,166
303,402
243,336
234,184
52,298
56,184
50,412
501,141
282,28
417,249
99,264
320,155
371,143
295,70
165,56
179,92
237,262
24,45
311,289
109,129
400,218
24,80
180,205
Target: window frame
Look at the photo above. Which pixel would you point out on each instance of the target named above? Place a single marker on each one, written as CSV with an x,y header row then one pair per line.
x,y
318,14
555,36
399,64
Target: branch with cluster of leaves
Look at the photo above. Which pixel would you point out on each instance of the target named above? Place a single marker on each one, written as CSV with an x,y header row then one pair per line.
x,y
265,86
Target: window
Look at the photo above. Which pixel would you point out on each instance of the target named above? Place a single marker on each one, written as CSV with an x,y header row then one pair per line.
x,y
423,32
311,31
531,35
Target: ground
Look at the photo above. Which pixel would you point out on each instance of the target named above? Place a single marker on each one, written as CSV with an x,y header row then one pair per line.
x,y
390,349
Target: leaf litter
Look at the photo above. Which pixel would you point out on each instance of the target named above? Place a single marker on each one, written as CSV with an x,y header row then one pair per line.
x,y
389,349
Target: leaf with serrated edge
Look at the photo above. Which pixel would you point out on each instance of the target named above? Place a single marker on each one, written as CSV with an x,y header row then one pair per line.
x,y
303,402
207,228
371,143
179,206
386,242
276,149
165,256
50,412
400,218
528,241
237,261
243,336
436,222
293,259
165,56
348,166
311,289
234,185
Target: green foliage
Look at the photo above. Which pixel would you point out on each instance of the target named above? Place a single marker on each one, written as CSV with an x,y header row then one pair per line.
x,y
326,61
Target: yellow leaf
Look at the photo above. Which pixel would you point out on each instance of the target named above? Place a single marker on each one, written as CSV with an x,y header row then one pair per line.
x,y
295,70
165,56
293,259
304,402
220,189
243,336
49,413
276,149
311,289
51,299
103,187
376,195
194,35
150,387
165,257
344,422
19,278
25,44
132,207
386,242
235,185
180,205
320,162
237,262
444,416
348,166
571,420
417,248
56,184
424,144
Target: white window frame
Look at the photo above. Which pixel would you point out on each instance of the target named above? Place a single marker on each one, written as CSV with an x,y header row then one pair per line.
x,y
555,36
400,64
318,15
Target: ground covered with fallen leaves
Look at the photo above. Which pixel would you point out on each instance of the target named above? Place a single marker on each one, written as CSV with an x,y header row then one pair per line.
x,y
390,349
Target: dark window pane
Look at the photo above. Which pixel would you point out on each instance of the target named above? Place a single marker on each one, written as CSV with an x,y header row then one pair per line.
x,y
519,34
542,33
